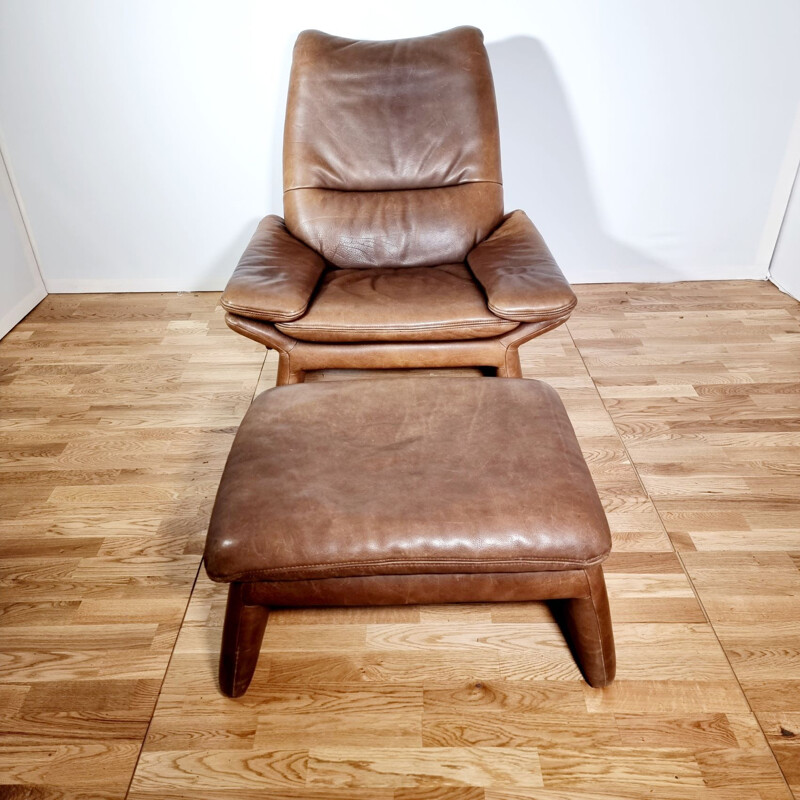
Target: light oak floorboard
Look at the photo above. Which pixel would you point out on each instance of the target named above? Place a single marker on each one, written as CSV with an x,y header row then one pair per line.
x,y
117,414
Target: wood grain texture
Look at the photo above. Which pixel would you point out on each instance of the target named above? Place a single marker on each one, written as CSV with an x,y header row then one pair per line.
x,y
704,388
117,414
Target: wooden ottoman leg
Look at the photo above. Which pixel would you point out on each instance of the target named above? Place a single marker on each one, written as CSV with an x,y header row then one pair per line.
x,y
242,635
588,623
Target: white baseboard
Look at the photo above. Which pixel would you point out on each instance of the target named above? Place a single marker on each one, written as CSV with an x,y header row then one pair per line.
x,y
662,274
133,284
574,275
23,307
793,293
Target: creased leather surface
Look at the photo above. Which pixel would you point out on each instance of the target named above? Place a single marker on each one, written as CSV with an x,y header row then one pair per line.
x,y
409,304
414,227
275,277
391,159
404,476
494,351
391,151
520,276
404,114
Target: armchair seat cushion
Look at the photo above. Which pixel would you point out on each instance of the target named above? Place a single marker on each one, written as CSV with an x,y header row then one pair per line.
x,y
403,304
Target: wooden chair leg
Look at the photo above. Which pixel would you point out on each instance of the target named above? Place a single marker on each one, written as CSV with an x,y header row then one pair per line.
x,y
588,623
242,635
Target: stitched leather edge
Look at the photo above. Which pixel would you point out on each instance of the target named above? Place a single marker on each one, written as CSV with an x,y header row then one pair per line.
x,y
420,326
387,191
531,316
325,569
278,316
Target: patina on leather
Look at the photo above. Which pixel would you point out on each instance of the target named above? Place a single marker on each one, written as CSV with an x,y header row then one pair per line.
x,y
392,162
396,476
398,305
275,276
519,274
410,490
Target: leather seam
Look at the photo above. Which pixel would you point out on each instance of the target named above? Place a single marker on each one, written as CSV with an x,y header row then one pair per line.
x,y
238,650
530,316
565,563
416,327
247,311
600,635
381,191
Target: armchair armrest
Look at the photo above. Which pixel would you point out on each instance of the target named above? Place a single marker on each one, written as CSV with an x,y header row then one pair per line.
x,y
518,273
276,276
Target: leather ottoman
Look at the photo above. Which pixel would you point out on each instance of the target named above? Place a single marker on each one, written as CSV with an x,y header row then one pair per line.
x,y
408,490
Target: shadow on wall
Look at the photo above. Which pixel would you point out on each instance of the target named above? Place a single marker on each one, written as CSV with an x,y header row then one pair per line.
x,y
221,265
542,162
543,168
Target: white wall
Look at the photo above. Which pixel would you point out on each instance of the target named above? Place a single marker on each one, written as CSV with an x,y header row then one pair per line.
x,y
784,271
21,286
649,140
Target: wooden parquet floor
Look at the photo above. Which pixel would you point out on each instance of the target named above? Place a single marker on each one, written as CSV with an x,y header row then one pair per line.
x,y
117,412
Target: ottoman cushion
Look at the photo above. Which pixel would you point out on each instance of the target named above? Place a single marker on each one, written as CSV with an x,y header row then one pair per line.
x,y
404,476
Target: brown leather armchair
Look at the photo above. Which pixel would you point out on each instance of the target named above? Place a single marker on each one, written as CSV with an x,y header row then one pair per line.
x,y
395,251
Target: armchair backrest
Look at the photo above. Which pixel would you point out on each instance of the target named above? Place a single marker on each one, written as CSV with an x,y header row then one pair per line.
x,y
391,152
